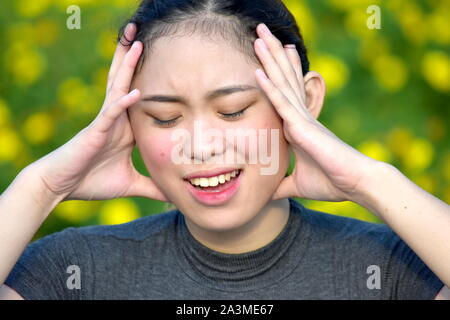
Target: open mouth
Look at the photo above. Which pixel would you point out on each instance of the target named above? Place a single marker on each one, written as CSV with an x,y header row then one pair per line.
x,y
215,190
215,182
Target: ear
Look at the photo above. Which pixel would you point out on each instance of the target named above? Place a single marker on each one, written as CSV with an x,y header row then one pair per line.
x,y
315,92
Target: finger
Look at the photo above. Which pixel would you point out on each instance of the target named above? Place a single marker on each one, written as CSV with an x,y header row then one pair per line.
x,y
110,113
274,72
122,81
145,187
286,189
282,105
277,65
294,58
122,48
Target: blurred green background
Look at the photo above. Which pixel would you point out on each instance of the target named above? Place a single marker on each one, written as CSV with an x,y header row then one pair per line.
x,y
388,89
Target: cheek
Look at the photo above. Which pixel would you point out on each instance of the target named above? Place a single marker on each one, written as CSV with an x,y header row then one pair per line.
x,y
271,134
156,151
269,131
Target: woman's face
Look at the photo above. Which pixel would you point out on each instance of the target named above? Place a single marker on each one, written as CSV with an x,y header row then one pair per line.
x,y
190,68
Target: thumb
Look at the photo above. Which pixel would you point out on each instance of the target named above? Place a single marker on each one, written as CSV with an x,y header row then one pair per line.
x,y
286,189
145,187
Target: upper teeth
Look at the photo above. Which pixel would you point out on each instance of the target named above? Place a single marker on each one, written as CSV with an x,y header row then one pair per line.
x,y
214,181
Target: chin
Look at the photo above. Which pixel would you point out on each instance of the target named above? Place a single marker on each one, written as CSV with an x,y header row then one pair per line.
x,y
221,219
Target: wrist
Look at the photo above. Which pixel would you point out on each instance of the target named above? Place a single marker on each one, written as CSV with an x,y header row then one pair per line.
x,y
375,184
31,178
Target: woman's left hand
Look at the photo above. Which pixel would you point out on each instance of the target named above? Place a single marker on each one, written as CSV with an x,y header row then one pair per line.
x,y
326,168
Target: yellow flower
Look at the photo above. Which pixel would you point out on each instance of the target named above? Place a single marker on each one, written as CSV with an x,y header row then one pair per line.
x,y
412,22
64,4
42,33
106,44
352,4
46,32
426,182
344,208
76,211
399,141
372,47
31,8
356,23
77,97
25,63
419,155
438,29
375,150
10,144
396,5
333,70
436,70
72,93
390,72
304,18
122,3
118,211
38,128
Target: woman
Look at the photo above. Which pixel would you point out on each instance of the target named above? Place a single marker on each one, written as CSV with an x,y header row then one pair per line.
x,y
236,233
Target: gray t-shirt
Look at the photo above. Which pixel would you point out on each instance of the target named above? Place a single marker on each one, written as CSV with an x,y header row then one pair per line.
x,y
316,256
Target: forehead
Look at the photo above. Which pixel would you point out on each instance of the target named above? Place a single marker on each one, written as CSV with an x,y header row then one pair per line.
x,y
193,64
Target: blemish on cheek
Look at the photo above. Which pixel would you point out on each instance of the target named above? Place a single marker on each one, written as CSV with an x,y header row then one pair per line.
x,y
162,154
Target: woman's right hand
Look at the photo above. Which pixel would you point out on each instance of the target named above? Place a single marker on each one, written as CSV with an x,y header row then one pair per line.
x,y
96,164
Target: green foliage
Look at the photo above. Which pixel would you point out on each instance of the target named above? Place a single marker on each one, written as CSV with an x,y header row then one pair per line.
x,y
387,89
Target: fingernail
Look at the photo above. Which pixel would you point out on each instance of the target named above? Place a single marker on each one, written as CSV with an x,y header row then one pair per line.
x,y
126,35
265,29
135,43
127,28
290,46
134,92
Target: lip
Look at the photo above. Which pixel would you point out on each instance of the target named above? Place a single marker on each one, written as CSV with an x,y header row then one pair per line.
x,y
216,198
209,173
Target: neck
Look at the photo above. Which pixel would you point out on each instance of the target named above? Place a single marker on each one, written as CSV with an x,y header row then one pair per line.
x,y
257,233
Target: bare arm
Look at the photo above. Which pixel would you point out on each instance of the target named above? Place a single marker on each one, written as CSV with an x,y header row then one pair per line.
x,y
328,169
24,206
94,165
419,218
31,204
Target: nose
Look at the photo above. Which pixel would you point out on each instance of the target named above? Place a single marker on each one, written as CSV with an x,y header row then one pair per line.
x,y
208,142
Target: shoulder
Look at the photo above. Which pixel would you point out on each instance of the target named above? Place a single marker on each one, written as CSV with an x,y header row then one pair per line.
x,y
137,230
339,230
358,246
81,241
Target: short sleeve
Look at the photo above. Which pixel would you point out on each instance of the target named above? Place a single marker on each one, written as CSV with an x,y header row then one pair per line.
x,y
53,267
410,276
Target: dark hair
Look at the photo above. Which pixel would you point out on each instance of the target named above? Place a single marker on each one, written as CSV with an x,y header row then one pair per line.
x,y
234,21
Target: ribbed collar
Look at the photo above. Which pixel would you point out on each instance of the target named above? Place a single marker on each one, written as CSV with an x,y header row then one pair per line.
x,y
244,271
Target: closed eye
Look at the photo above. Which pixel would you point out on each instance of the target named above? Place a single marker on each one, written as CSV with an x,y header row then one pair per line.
x,y
165,123
234,114
168,123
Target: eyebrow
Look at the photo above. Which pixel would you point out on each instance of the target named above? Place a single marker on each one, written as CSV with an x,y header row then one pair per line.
x,y
214,94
